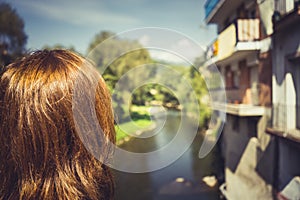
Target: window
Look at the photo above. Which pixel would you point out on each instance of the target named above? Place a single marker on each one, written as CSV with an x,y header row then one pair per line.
x,y
236,78
229,77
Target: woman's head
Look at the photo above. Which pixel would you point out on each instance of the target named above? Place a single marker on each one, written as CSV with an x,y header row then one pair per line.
x,y
42,155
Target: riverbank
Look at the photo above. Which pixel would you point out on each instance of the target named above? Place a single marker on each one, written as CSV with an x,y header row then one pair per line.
x,y
141,121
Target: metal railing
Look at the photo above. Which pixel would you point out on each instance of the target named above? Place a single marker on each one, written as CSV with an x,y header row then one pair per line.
x,y
237,95
247,30
243,30
286,116
285,6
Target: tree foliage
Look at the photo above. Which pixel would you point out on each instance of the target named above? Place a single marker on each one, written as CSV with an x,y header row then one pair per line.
x,y
59,46
175,89
114,58
12,36
200,88
99,38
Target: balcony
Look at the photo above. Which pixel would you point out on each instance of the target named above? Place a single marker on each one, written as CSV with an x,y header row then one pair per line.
x,y
217,10
209,6
242,110
240,102
286,116
237,39
286,14
292,134
285,122
284,7
235,49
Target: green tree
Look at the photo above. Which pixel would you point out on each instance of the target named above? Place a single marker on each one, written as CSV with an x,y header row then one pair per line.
x,y
59,46
100,37
199,61
201,91
113,58
12,36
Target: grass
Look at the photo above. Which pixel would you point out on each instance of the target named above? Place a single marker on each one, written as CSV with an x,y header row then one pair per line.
x,y
140,120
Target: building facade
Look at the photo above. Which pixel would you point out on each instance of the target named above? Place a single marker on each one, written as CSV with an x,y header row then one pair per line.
x,y
285,126
257,53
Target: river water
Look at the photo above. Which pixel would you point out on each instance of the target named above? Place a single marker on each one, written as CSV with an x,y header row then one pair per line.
x,y
183,179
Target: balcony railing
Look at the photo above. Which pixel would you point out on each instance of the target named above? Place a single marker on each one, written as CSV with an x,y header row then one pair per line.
x,y
234,96
243,30
285,121
209,6
240,95
286,116
285,6
247,30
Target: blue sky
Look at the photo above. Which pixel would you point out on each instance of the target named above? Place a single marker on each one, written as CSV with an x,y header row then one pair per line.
x,y
76,22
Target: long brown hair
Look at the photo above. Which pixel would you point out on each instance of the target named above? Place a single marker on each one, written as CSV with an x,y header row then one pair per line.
x,y
41,154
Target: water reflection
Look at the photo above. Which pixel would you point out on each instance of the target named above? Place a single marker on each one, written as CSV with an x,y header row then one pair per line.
x,y
181,180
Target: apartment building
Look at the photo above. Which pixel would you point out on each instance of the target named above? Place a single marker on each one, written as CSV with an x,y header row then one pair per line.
x,y
285,126
257,52
242,53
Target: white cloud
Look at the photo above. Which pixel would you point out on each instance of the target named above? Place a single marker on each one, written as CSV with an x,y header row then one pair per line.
x,y
167,56
187,49
184,43
144,40
170,46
